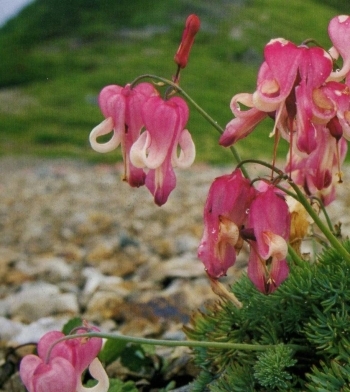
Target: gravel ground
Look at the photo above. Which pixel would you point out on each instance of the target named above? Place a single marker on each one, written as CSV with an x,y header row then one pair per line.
x,y
76,240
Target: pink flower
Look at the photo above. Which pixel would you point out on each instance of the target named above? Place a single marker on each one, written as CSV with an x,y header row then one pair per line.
x,y
317,172
122,107
296,86
244,122
78,351
57,375
156,148
270,220
225,213
59,365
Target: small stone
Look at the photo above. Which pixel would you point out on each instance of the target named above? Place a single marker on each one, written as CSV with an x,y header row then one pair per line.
x,y
40,299
104,305
35,330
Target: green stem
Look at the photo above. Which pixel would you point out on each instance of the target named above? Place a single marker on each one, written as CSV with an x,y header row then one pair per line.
x,y
325,230
328,220
176,343
199,109
295,257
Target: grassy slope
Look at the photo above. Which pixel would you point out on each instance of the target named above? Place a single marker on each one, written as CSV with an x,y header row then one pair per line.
x,y
53,116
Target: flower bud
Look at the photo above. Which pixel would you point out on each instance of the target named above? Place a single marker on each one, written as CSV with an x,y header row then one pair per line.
x,y
191,29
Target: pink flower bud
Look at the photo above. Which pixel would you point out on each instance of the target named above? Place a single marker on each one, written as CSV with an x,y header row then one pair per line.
x,y
191,29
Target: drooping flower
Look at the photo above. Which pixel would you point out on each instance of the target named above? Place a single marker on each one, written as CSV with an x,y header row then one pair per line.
x,y
309,103
157,147
55,376
244,122
78,351
270,220
225,213
122,107
59,364
318,172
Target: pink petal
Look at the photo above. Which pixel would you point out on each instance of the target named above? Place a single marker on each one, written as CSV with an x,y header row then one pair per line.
x,y
110,99
268,213
240,127
164,120
278,74
266,278
161,182
56,376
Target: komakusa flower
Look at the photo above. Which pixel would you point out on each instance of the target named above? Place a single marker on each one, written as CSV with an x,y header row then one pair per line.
x,y
55,376
157,147
122,107
60,363
310,106
225,213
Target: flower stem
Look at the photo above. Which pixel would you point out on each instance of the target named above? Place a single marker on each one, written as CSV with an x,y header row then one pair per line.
x,y
183,343
325,230
295,257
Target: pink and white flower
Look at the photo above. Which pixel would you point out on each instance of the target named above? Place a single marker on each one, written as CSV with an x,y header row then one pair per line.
x,y
157,147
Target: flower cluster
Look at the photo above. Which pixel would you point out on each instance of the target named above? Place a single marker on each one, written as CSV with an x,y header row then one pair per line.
x,y
234,212
60,363
309,101
149,129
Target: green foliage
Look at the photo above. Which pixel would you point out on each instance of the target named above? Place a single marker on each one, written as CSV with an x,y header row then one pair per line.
x,y
72,324
111,351
270,368
116,385
305,322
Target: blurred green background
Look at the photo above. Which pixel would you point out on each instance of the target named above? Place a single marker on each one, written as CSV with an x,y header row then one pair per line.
x,y
56,55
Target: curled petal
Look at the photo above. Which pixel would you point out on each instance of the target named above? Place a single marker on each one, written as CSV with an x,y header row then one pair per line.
x,y
242,126
276,244
138,152
339,33
98,373
105,127
187,153
245,121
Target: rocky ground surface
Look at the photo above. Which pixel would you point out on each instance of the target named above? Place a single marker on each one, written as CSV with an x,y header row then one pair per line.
x,y
76,240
